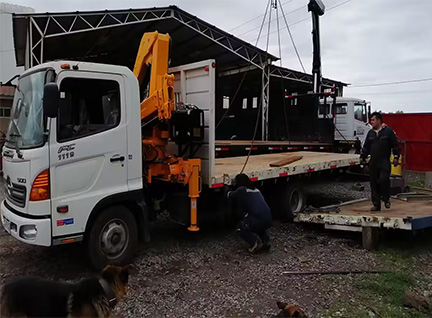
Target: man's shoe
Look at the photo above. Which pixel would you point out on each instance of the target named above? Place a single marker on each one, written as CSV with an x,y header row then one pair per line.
x,y
375,208
256,247
387,204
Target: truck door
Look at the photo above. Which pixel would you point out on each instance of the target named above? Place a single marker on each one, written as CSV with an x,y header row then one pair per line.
x,y
343,126
361,126
88,147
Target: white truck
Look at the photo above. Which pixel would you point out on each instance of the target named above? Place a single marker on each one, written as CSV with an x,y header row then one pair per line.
x,y
75,170
351,118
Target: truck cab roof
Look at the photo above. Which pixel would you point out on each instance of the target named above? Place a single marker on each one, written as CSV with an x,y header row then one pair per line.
x,y
345,99
82,66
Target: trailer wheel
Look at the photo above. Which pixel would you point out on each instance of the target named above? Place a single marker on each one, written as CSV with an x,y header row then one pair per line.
x,y
293,201
112,237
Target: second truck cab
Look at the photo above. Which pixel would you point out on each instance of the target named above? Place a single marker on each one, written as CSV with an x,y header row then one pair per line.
x,y
350,118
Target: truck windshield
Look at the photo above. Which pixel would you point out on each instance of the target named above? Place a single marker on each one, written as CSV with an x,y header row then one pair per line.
x,y
26,129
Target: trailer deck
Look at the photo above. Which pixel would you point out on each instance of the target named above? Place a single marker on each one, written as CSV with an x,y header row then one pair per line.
x,y
403,215
226,148
258,166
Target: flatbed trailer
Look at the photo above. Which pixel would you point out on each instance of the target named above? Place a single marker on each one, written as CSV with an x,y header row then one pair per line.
x,y
356,216
258,166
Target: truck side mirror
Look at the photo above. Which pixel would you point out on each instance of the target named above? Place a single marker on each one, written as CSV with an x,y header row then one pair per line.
x,y
51,100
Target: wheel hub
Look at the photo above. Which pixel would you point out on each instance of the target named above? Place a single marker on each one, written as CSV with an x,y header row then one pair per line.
x,y
114,238
296,201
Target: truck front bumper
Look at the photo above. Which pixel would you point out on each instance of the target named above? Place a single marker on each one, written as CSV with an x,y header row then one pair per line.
x,y
27,230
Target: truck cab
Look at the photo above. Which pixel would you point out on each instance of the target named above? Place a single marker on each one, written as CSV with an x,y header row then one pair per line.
x,y
350,118
61,169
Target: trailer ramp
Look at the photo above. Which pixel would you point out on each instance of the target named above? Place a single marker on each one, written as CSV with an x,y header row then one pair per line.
x,y
409,215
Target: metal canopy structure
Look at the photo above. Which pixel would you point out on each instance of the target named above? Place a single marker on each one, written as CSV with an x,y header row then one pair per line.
x,y
281,72
113,37
116,34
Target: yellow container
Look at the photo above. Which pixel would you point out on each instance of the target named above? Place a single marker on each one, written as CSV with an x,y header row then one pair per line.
x,y
396,170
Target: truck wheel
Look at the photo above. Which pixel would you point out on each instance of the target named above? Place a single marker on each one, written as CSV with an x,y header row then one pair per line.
x,y
293,200
112,237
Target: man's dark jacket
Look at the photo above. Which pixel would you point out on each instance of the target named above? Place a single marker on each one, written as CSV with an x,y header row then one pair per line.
x,y
379,146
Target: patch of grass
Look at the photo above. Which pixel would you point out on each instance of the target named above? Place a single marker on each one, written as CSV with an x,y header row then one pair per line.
x,y
417,183
378,295
381,295
390,287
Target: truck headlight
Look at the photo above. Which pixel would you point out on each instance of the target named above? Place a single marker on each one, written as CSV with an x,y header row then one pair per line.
x,y
28,232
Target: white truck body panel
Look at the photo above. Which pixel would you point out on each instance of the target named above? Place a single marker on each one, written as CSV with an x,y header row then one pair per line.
x,y
82,181
195,84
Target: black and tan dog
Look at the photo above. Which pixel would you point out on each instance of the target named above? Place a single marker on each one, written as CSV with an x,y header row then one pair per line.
x,y
289,311
91,297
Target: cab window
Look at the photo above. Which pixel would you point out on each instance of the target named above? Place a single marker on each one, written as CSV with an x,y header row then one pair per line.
x,y
341,109
360,112
88,106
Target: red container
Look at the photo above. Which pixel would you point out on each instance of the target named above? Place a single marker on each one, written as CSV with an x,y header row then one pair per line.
x,y
415,130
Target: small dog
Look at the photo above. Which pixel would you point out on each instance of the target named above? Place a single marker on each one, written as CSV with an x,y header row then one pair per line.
x,y
289,311
92,297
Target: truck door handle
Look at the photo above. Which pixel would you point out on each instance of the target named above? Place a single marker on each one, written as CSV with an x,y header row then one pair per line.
x,y
114,159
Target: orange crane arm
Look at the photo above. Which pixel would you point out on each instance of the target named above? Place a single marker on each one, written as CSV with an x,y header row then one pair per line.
x,y
154,52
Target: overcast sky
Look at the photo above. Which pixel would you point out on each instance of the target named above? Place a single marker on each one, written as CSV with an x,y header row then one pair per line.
x,y
363,41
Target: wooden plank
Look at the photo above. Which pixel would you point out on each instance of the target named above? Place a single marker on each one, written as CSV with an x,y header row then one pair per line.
x,y
286,161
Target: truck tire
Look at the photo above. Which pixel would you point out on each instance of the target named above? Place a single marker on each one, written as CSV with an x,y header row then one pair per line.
x,y
292,200
112,237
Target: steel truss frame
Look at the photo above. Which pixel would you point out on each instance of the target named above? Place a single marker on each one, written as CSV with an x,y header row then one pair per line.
x,y
51,25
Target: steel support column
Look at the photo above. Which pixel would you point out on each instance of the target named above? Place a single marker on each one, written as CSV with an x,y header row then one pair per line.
x,y
265,99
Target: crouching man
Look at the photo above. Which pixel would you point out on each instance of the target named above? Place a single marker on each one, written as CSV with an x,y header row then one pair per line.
x,y
253,212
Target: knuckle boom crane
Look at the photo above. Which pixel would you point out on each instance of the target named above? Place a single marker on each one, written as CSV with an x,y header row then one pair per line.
x,y
157,108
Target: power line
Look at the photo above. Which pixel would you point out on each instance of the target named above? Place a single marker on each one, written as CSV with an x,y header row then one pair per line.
x,y
331,8
245,73
420,91
269,29
259,16
292,40
277,26
393,83
295,10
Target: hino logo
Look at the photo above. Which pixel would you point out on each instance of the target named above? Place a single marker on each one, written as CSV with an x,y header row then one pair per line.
x,y
21,180
66,148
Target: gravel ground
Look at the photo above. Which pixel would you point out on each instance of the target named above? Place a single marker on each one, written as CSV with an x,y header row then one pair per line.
x,y
209,273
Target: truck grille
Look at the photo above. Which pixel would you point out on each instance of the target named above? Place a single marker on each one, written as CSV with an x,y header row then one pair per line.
x,y
16,193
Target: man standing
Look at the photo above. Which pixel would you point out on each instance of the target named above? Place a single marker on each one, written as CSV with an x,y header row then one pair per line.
x,y
378,144
253,212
